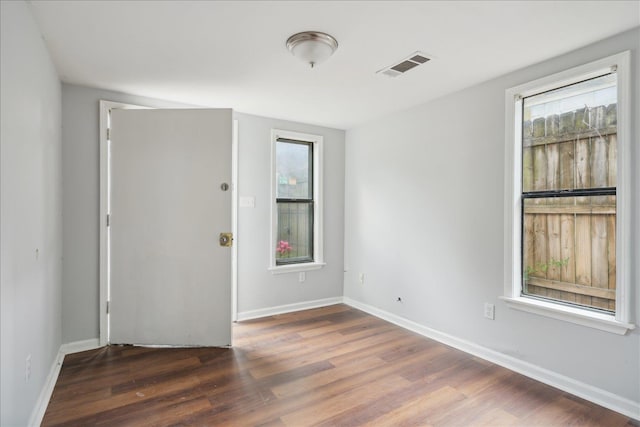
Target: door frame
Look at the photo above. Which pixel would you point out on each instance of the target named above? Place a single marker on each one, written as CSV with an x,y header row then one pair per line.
x,y
103,309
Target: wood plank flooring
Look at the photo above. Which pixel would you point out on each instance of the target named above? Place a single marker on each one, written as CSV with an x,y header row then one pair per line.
x,y
333,366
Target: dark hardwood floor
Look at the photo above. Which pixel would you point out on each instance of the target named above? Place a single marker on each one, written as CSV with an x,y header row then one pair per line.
x,y
333,366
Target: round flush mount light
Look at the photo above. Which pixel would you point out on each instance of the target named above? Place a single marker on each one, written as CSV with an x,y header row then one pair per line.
x,y
312,47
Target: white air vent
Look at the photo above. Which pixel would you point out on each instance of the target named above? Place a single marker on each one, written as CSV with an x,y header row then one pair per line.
x,y
412,61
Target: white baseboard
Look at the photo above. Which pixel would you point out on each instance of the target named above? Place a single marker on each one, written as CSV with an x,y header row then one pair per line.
x,y
47,389
593,394
78,346
288,308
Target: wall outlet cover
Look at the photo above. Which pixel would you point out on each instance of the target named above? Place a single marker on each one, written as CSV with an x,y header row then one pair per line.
x,y
489,311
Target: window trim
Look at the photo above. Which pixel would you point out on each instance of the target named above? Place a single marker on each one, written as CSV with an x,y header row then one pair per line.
x,y
318,237
621,322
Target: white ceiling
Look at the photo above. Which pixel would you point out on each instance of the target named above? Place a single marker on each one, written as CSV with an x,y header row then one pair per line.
x,y
233,54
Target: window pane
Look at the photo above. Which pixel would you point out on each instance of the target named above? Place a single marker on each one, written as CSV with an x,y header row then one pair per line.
x,y
569,250
295,233
293,170
569,137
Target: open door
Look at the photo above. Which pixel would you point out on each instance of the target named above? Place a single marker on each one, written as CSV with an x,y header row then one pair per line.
x,y
170,203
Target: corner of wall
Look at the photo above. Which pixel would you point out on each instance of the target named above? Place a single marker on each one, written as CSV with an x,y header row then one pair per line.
x,y
31,218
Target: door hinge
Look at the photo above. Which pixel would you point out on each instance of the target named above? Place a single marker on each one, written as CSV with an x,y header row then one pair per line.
x,y
108,220
109,134
108,306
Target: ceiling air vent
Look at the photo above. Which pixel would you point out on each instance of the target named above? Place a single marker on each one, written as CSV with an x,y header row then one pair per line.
x,y
415,59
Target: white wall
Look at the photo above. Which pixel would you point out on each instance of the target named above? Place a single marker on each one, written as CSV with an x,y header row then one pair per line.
x,y
258,288
30,222
424,221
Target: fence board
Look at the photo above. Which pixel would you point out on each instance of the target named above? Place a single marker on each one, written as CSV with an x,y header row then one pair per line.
x,y
599,248
611,118
540,243
582,167
582,120
552,125
527,169
535,290
567,122
597,117
612,157
539,171
607,294
600,303
599,258
539,128
554,253
567,242
567,170
599,167
583,255
528,242
611,255
599,162
553,167
586,209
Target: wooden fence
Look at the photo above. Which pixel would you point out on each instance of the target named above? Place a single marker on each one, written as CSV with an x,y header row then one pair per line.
x,y
569,250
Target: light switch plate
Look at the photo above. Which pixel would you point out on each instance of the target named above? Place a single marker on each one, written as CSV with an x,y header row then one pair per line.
x,y
247,202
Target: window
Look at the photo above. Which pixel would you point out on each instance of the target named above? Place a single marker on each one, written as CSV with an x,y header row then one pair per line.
x,y
567,196
296,202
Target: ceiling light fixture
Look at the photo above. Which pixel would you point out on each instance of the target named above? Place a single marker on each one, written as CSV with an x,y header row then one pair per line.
x,y
312,47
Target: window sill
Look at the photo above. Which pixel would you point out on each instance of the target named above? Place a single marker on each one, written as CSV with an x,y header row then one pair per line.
x,y
601,321
295,268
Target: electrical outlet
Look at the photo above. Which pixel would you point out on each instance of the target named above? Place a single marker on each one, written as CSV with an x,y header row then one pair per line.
x,y
27,368
489,311
361,278
302,277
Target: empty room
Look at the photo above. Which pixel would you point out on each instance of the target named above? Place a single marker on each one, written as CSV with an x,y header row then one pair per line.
x,y
337,213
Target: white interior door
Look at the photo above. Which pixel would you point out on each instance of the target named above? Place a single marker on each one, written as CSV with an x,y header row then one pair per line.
x,y
170,280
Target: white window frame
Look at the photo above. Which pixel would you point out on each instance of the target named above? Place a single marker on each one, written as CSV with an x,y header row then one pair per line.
x,y
619,323
318,236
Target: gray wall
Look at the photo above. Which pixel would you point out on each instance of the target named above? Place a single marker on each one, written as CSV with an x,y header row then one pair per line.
x,y
257,287
31,212
424,221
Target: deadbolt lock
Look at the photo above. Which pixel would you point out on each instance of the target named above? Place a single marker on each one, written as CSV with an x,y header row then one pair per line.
x,y
225,239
